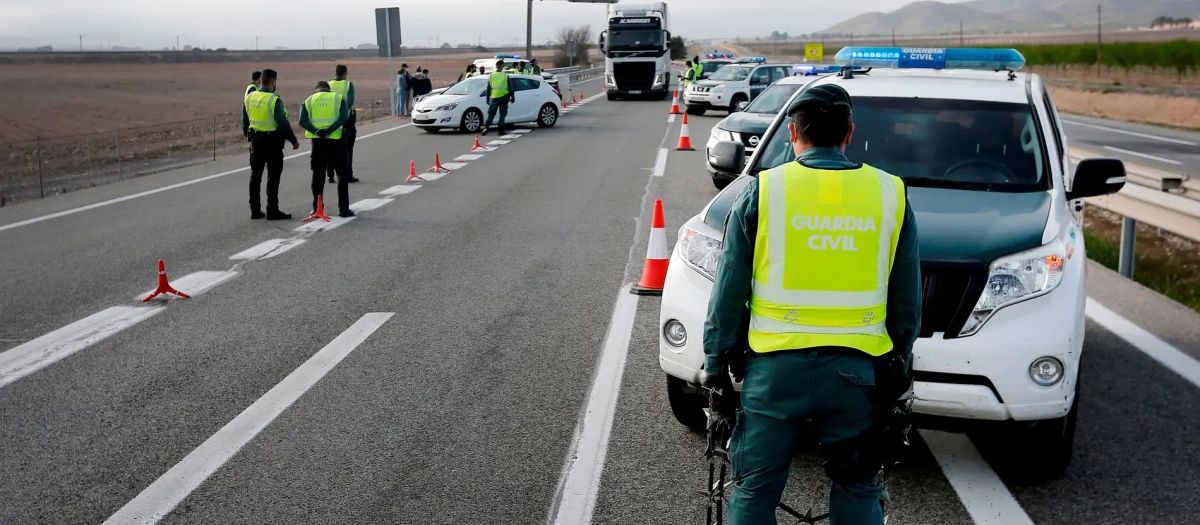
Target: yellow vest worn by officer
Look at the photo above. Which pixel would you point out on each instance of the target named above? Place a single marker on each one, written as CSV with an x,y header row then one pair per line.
x,y
341,87
260,111
250,87
822,258
498,82
323,109
698,68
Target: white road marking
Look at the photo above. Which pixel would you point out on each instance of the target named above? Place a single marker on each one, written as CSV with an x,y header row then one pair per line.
x,y
166,492
979,489
484,149
454,165
322,226
267,249
498,142
469,157
579,483
400,190
511,136
660,163
520,131
1132,133
169,187
1163,352
48,349
369,204
432,176
1144,155
671,119
193,284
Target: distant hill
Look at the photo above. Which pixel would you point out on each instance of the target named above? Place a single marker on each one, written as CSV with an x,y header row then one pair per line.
x,y
991,16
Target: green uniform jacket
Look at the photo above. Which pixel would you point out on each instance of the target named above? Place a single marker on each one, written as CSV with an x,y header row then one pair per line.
x,y
727,308
343,116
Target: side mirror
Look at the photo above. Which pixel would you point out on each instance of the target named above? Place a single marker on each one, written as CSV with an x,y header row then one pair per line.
x,y
667,44
727,157
603,47
1095,177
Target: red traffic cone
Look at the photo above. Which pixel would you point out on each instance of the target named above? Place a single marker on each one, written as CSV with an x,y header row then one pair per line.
x,y
412,172
164,286
675,104
685,139
477,146
564,103
654,273
318,213
437,164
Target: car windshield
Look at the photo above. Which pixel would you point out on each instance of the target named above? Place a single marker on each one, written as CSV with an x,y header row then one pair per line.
x,y
633,40
709,67
940,143
772,99
734,73
471,86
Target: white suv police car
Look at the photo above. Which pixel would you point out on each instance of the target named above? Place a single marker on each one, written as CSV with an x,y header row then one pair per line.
x,y
998,212
733,86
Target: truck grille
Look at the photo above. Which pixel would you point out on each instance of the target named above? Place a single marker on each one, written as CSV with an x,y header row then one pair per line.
x,y
634,75
949,291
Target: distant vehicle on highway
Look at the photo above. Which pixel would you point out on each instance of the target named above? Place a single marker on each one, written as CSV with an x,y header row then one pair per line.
x,y
711,66
463,106
748,126
636,47
733,86
1004,267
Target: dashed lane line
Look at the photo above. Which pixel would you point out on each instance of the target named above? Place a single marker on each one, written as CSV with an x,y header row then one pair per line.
x,y
1148,343
168,187
660,163
671,119
322,226
401,189
498,142
193,284
267,249
980,490
369,204
1131,133
1144,155
165,493
469,157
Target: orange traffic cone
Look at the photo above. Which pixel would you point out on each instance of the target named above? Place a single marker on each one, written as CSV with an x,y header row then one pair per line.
x,y
564,103
412,172
437,164
675,104
654,273
318,213
685,139
164,286
477,146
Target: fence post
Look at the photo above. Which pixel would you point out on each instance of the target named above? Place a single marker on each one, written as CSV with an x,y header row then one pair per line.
x,y
1128,239
214,137
41,179
117,146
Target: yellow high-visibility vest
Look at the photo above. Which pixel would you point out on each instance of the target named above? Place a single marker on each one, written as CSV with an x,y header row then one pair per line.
x,y
341,87
822,258
250,88
323,109
260,108
499,85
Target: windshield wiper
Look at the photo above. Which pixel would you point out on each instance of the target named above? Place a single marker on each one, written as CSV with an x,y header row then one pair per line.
x,y
931,182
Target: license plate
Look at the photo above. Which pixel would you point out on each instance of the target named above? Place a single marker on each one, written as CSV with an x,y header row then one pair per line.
x,y
635,92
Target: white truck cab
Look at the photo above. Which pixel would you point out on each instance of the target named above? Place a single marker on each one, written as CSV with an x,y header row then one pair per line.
x,y
733,86
998,211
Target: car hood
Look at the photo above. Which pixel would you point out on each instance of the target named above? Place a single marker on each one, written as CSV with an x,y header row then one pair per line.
x,y
977,226
710,83
441,100
742,122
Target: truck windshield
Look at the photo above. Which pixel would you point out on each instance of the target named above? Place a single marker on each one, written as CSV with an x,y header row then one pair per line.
x,y
772,99
635,40
734,73
940,143
471,86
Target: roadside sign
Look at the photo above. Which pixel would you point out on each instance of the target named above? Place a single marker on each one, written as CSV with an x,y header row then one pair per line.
x,y
387,31
814,52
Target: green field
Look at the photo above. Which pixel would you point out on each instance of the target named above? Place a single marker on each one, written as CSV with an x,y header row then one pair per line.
x,y
1180,55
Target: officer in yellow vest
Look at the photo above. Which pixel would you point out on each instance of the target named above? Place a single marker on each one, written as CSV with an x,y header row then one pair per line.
x,y
500,95
823,251
322,116
255,79
697,69
345,88
265,124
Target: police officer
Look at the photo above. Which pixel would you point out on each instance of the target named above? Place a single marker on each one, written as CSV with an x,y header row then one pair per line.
x,y
533,68
470,72
500,95
824,252
322,117
345,88
689,74
697,68
255,79
265,124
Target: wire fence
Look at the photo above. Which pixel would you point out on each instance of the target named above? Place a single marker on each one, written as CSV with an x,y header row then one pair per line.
x,y
46,166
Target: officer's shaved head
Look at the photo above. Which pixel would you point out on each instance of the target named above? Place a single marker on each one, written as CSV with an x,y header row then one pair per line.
x,y
340,70
269,74
255,76
322,86
499,64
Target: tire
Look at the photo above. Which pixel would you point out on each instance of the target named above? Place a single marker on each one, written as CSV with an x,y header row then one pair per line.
x,y
432,131
547,116
687,407
695,110
735,104
472,121
1034,450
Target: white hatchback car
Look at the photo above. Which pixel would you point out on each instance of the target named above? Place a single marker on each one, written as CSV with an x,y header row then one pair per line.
x,y
464,105
1002,254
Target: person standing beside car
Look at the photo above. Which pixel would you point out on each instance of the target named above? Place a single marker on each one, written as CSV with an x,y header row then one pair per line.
x,y
402,87
500,95
823,251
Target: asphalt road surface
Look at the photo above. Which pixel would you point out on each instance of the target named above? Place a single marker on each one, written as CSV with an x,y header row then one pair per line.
x,y
434,359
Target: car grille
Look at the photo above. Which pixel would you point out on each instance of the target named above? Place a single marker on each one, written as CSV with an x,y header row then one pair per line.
x,y
749,139
949,291
423,121
634,75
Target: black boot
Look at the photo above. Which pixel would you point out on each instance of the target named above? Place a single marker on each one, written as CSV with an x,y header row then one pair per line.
x,y
346,213
276,215
256,214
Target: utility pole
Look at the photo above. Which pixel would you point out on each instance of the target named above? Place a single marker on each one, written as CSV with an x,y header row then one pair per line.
x,y
1099,36
177,42
529,30
961,39
256,39
893,37
322,43
81,35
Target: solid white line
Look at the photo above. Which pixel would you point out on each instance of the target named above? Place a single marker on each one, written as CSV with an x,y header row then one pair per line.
x,y
401,189
193,284
1143,155
162,496
266,249
670,119
979,489
48,349
177,185
660,163
1163,352
322,226
580,481
1133,133
369,204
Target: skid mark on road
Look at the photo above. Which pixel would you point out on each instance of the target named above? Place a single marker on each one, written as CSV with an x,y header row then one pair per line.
x,y
982,493
1146,342
162,496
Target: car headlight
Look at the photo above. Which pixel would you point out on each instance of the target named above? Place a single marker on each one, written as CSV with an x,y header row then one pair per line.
x,y
719,88
447,107
660,79
1015,278
719,134
608,79
700,251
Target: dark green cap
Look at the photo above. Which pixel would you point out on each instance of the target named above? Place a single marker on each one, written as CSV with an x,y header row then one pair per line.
x,y
825,96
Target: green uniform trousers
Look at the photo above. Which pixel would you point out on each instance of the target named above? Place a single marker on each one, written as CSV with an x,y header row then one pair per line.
x,y
782,390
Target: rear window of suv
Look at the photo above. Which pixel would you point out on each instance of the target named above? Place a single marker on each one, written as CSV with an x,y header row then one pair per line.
x,y
941,143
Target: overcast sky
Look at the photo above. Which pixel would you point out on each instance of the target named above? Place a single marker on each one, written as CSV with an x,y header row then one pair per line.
x,y
154,24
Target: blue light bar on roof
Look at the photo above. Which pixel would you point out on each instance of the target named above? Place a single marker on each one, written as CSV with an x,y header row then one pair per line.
x,y
932,58
755,60
804,70
508,56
